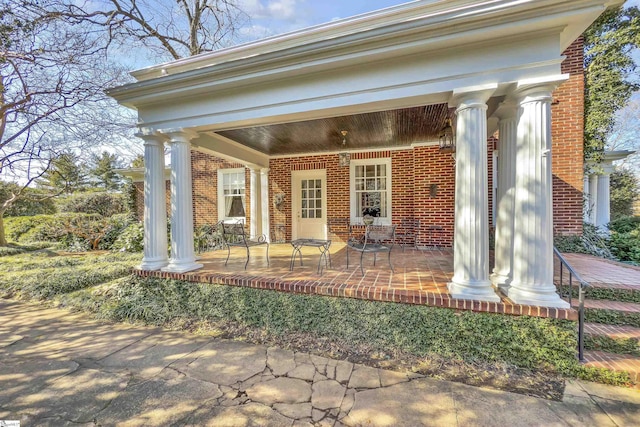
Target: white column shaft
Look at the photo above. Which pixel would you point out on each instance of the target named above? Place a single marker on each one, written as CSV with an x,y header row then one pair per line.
x,y
586,198
532,282
505,199
255,192
182,252
471,230
603,208
155,208
593,198
264,198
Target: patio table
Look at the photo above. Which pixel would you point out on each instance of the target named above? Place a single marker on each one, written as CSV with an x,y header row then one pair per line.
x,y
322,245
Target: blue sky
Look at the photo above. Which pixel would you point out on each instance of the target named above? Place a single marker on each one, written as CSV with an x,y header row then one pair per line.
x,y
271,17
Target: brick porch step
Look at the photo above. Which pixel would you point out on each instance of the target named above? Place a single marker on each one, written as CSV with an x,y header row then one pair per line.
x,y
625,307
615,362
612,331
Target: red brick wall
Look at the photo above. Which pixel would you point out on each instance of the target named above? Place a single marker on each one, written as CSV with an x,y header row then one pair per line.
x,y
567,113
204,169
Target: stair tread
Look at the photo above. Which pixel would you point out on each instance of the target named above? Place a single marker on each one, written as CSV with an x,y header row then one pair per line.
x,y
614,362
630,307
613,331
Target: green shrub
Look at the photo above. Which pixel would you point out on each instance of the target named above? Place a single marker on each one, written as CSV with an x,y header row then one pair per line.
x,y
625,224
626,246
612,317
116,226
101,203
41,228
131,239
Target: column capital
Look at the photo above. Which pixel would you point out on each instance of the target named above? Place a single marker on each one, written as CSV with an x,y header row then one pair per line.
x,y
151,137
179,134
472,96
538,89
264,171
507,110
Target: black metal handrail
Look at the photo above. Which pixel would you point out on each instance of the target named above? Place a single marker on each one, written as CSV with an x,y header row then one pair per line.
x,y
582,287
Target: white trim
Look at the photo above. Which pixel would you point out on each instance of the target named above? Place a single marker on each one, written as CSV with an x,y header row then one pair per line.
x,y
220,201
357,219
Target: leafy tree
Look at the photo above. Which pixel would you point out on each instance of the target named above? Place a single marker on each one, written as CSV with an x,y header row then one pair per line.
x,y
138,162
34,202
66,175
624,191
610,72
103,171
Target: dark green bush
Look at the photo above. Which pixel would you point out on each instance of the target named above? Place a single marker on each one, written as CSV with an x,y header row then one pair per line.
x,y
115,228
626,246
625,224
101,203
130,239
41,228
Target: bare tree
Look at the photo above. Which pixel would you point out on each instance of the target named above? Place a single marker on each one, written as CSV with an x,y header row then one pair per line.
x,y
52,79
169,29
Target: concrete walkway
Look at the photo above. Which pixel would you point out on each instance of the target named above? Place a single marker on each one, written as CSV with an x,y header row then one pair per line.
x,y
59,368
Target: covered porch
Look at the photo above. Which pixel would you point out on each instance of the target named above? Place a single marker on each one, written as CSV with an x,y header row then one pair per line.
x,y
488,66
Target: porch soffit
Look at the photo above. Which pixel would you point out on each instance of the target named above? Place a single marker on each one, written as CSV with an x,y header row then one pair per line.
x,y
383,129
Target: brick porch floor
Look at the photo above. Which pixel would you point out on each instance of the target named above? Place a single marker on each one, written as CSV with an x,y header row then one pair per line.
x,y
420,277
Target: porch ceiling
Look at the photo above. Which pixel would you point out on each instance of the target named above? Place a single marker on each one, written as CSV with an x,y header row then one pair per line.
x,y
382,129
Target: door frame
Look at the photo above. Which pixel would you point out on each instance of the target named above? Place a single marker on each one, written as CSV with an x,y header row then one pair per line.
x,y
296,176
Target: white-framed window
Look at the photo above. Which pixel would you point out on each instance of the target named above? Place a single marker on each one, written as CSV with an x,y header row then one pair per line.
x,y
370,182
231,190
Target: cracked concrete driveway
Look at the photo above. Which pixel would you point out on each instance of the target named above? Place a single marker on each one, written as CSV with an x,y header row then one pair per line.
x,y
59,368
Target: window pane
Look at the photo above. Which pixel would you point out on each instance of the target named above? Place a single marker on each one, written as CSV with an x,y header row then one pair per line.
x,y
304,213
370,170
304,183
318,213
312,203
318,183
359,171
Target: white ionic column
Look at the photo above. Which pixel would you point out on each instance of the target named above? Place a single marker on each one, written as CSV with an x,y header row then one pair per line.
x,y
507,126
253,185
471,230
586,199
532,282
264,198
182,254
155,207
603,199
593,198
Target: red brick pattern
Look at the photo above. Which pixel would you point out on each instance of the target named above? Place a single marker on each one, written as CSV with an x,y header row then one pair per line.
x,y
204,170
600,304
613,331
603,273
616,363
567,133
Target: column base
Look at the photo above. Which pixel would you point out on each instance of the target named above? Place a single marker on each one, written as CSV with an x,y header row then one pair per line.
x,y
541,296
477,290
181,266
501,281
152,264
